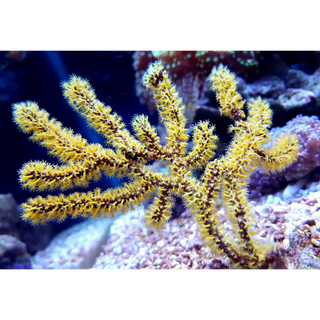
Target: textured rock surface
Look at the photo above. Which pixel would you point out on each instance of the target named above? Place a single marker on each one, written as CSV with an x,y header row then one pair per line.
x,y
35,237
308,131
296,90
13,253
131,245
74,248
9,215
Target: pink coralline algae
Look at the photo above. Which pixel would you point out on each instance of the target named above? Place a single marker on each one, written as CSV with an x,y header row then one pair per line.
x,y
308,131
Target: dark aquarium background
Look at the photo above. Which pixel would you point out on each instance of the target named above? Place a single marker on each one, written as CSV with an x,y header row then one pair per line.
x,y
37,77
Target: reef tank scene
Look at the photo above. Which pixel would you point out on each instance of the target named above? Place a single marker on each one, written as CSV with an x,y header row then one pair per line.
x,y
160,160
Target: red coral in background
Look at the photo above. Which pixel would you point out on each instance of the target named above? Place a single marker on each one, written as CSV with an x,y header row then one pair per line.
x,y
199,62
195,63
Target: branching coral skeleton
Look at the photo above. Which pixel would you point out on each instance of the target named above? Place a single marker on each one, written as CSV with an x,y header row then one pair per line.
x,y
224,180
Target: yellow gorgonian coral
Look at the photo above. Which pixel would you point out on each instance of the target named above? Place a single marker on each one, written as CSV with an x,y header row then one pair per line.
x,y
224,179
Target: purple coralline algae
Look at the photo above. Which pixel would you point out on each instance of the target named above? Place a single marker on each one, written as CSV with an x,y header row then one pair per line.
x,y
308,131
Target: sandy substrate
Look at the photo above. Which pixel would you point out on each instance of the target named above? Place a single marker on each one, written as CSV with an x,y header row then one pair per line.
x,y
290,217
131,245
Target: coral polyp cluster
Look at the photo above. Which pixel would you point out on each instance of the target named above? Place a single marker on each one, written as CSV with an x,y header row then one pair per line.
x,y
223,183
